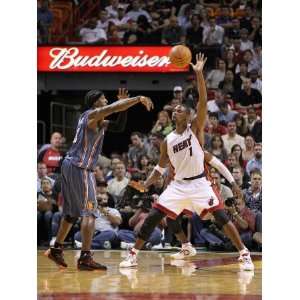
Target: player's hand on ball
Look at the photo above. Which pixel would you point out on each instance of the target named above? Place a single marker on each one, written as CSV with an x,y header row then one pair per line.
x,y
147,102
200,62
123,94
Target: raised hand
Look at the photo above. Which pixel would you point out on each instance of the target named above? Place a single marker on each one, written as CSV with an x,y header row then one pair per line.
x,y
147,102
123,94
200,62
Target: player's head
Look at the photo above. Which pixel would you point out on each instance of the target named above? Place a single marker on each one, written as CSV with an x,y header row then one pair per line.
x,y
181,114
95,98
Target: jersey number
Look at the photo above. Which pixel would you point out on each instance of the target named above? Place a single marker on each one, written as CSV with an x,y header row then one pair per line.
x,y
191,151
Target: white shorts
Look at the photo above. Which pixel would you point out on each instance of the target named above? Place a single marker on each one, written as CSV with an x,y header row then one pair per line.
x,y
188,197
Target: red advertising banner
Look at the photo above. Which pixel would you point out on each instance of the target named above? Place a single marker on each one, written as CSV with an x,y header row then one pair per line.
x,y
105,59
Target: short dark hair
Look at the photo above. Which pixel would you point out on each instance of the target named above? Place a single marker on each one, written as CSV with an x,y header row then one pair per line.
x,y
248,50
186,107
213,115
238,167
136,133
101,183
244,63
255,171
91,97
258,144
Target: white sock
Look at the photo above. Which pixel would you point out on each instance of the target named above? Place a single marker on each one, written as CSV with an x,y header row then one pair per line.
x,y
185,245
136,251
244,251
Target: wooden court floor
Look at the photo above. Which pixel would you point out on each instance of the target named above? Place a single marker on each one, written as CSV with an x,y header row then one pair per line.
x,y
206,276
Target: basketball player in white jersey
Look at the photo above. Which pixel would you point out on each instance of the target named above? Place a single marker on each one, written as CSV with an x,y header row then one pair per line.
x,y
190,191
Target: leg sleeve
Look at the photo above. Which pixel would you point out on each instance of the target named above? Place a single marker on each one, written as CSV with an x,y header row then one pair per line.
x,y
152,220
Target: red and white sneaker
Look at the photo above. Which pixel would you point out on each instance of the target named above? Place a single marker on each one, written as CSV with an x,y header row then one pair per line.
x,y
187,250
245,260
130,261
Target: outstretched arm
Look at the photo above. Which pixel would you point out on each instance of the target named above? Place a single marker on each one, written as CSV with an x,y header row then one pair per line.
x,y
100,113
198,123
119,124
159,168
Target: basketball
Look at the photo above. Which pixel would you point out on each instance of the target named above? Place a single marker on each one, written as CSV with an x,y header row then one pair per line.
x,y
180,56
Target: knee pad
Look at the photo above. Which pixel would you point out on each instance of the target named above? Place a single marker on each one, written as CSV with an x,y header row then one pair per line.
x,y
174,225
70,219
221,217
152,220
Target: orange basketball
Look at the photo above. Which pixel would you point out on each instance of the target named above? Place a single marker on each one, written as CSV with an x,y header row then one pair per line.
x,y
180,56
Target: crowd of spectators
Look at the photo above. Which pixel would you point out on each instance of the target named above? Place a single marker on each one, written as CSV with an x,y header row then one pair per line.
x,y
229,33
123,208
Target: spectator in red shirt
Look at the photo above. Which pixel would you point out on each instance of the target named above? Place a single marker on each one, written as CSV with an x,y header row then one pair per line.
x,y
213,126
51,154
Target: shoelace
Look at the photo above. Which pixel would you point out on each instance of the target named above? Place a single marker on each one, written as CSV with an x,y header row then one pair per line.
x,y
91,261
130,255
185,251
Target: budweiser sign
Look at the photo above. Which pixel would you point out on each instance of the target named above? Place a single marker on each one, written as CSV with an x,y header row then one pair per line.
x,y
105,59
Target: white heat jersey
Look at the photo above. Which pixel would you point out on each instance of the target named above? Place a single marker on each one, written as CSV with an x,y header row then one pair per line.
x,y
185,153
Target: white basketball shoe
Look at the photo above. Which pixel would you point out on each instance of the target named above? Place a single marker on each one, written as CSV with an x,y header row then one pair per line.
x,y
245,260
187,250
130,260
